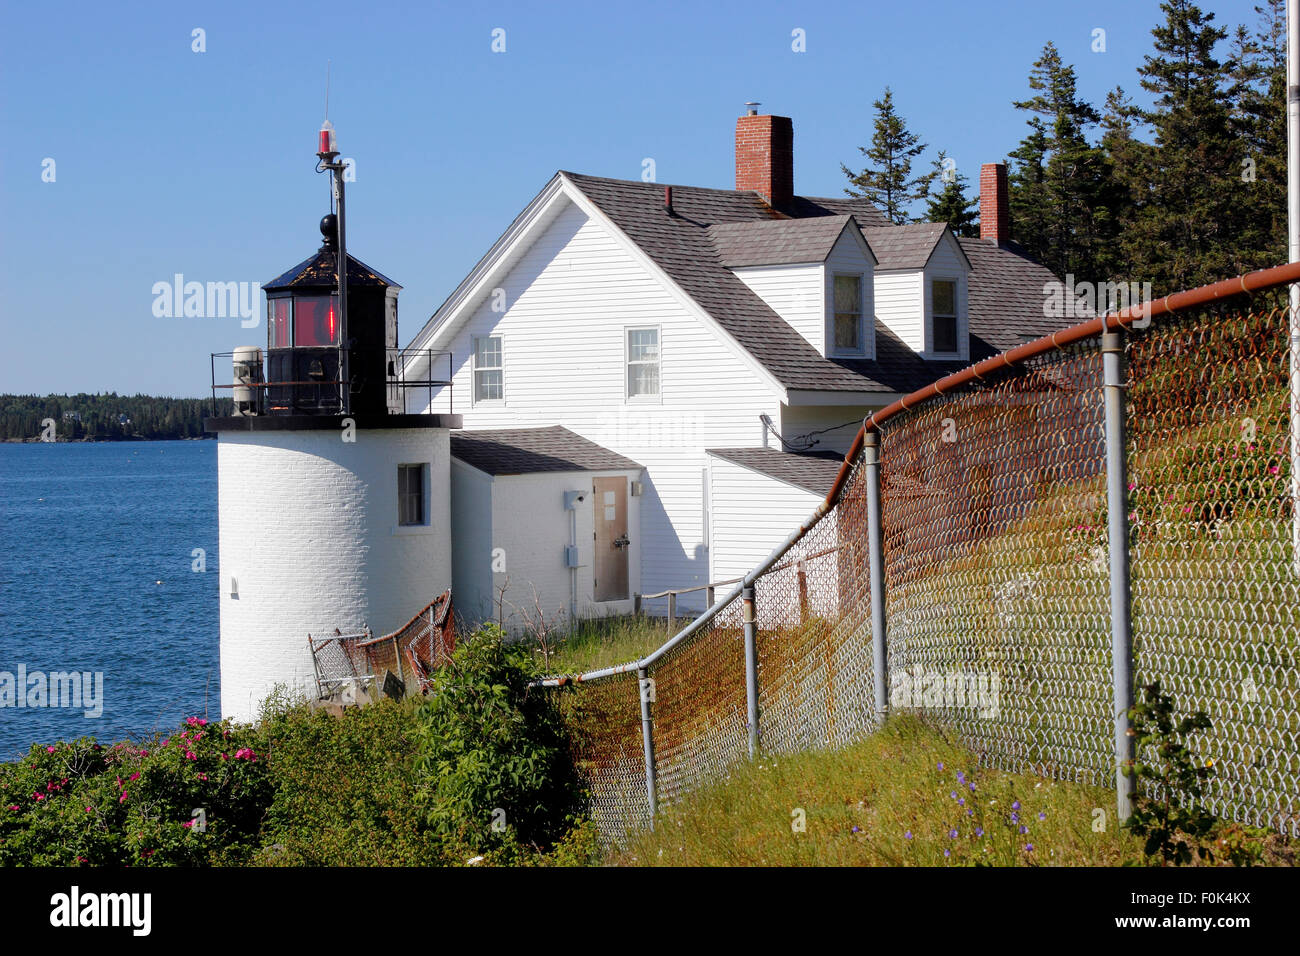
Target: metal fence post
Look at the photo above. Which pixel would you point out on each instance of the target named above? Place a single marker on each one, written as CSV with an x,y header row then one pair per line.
x,y
1121,629
646,690
751,665
876,567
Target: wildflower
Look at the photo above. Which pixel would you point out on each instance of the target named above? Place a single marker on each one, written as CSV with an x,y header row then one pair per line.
x,y
970,812
1015,818
90,809
940,764
979,831
961,777
38,797
856,830
187,824
189,755
14,806
906,836
952,834
947,852
1029,848
953,794
474,861
972,787
1024,829
135,776
1042,816
122,798
203,776
1016,805
49,750
961,801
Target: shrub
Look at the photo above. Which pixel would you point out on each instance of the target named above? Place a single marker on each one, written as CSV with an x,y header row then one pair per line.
x,y
195,796
346,790
494,754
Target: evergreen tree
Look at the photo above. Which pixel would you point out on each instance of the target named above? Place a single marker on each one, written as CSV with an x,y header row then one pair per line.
x,y
951,205
887,180
1257,111
1061,175
1189,227
1029,200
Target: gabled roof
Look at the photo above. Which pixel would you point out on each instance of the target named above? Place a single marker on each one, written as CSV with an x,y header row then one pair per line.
x,y
320,270
1005,287
778,241
526,451
812,472
905,247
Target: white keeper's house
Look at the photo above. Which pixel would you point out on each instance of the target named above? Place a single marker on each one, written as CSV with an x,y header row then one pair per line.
x,y
652,386
716,348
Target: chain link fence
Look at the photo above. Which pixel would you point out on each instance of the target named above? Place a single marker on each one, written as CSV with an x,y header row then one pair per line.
x,y
1008,615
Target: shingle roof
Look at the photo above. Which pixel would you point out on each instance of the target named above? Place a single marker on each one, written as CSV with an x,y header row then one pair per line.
x,y
1006,296
904,247
776,241
320,270
1005,288
526,451
812,472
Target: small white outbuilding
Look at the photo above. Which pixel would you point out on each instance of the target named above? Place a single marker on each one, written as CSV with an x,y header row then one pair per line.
x,y
545,528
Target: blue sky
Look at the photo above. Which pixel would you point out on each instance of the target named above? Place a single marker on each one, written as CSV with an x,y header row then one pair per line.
x,y
172,161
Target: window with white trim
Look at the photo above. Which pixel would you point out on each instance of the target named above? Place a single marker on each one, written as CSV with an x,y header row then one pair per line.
x,y
847,328
943,316
643,363
489,371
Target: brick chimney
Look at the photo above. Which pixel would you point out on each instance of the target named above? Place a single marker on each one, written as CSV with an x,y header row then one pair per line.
x,y
995,209
765,156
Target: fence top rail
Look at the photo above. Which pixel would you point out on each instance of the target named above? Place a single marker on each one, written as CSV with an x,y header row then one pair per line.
x,y
1057,341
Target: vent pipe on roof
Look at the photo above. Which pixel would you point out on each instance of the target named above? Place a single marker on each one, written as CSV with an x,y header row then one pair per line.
x,y
668,200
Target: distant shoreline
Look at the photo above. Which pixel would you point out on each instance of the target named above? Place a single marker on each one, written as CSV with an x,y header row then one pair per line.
x,y
101,441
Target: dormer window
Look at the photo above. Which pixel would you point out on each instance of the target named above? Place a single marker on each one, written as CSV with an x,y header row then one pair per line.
x,y
848,313
943,316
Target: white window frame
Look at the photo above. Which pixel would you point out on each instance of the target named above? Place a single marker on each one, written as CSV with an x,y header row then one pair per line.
x,y
658,397
862,350
474,370
957,297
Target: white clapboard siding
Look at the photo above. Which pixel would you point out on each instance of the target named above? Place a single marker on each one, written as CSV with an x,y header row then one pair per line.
x,y
799,421
752,514
899,306
797,293
569,300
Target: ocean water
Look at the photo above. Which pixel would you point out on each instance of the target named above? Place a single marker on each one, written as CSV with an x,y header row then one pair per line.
x,y
97,576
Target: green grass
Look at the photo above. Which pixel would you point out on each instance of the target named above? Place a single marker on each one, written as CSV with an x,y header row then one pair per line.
x,y
601,642
900,780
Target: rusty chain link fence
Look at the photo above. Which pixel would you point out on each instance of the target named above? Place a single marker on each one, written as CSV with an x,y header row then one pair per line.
x,y
1008,616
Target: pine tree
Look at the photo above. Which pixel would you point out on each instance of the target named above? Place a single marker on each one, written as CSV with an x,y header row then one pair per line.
x,y
1063,175
1191,223
951,205
1257,112
1129,164
887,180
1029,201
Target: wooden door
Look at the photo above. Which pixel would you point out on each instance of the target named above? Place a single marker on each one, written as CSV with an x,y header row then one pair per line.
x,y
612,545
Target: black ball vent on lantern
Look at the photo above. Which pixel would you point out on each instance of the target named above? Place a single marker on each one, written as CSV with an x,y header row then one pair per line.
x,y
305,337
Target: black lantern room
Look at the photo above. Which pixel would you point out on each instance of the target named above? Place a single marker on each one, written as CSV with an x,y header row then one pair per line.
x,y
310,370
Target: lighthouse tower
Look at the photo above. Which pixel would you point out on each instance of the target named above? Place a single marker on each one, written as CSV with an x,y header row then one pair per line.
x,y
334,504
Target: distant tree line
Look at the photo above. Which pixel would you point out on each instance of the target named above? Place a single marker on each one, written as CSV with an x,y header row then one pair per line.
x,y
105,417
1188,191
